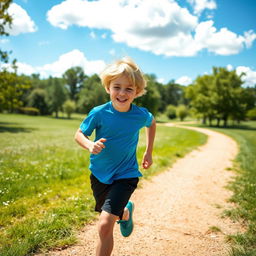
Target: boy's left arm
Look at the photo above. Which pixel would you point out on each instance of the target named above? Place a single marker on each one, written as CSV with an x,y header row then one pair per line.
x,y
147,160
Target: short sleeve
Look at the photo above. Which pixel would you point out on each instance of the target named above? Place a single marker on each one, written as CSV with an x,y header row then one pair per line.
x,y
89,123
149,119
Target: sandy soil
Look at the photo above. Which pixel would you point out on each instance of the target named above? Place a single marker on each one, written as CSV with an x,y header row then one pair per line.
x,y
174,212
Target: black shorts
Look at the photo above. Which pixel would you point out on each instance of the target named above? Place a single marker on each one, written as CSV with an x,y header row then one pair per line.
x,y
113,198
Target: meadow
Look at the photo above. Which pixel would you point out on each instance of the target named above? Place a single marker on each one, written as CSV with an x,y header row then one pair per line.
x,y
45,195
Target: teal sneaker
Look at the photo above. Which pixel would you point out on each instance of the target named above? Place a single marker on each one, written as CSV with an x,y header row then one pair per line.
x,y
126,226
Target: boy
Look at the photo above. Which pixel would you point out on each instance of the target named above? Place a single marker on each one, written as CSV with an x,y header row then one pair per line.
x,y
113,162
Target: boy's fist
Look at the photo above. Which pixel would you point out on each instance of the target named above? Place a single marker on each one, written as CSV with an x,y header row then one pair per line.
x,y
97,146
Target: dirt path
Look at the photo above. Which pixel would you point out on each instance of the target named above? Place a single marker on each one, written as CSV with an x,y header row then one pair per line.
x,y
174,212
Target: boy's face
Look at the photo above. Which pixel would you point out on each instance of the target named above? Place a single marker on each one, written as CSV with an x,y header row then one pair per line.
x,y
122,93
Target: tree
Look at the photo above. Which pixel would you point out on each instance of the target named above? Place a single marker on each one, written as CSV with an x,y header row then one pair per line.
x,y
202,97
229,101
69,107
11,90
74,78
92,94
151,100
38,99
219,96
56,94
5,20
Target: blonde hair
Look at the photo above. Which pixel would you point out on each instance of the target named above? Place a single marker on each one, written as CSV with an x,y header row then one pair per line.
x,y
125,66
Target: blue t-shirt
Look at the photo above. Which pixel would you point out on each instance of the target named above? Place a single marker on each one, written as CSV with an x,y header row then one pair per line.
x,y
121,130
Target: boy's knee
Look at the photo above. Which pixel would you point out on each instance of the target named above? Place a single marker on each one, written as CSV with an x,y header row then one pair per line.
x,y
104,228
106,225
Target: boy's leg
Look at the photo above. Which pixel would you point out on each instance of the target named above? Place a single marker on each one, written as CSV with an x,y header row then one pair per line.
x,y
105,229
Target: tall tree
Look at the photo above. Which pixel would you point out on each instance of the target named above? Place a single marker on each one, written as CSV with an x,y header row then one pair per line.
x,y
74,78
56,94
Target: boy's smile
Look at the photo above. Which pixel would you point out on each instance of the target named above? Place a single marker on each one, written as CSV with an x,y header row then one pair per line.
x,y
122,93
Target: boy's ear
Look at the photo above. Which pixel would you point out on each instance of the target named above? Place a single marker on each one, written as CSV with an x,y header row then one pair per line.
x,y
107,90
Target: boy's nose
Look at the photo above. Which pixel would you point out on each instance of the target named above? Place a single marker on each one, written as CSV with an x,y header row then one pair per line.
x,y
122,92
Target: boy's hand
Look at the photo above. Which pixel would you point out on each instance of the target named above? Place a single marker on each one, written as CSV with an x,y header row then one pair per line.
x,y
147,160
97,146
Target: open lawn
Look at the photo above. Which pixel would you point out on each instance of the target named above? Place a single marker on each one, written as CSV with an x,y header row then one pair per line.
x,y
44,183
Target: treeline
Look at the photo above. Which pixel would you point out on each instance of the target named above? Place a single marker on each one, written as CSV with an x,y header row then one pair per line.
x,y
219,96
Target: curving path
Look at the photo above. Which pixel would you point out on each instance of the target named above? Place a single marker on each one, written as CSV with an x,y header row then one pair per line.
x,y
176,210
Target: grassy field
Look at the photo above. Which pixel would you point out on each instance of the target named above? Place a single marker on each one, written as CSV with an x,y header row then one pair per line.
x,y
244,188
44,183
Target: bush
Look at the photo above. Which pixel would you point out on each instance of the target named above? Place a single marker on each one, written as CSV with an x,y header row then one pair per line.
x,y
182,112
69,107
29,111
251,114
171,111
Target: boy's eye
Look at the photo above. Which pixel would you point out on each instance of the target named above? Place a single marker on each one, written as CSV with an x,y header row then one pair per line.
x,y
129,89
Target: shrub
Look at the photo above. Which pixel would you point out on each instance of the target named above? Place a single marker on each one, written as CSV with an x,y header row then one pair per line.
x,y
69,107
171,111
182,112
29,111
251,114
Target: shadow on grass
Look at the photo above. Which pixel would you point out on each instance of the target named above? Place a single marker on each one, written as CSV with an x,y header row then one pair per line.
x,y
14,128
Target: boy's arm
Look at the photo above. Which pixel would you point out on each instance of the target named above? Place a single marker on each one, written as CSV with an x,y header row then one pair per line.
x,y
86,143
150,136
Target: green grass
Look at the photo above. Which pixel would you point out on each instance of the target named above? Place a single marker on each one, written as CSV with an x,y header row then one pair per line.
x,y
244,188
45,194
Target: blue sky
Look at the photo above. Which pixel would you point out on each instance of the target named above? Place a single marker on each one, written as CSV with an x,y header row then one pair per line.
x,y
175,40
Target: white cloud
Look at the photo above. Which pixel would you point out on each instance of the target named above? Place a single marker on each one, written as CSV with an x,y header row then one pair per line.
x,y
92,35
112,52
229,67
250,75
184,80
21,22
64,62
223,42
201,5
104,36
4,41
249,37
161,27
160,80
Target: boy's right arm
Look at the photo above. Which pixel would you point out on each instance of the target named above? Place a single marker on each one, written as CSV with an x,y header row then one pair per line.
x,y
86,143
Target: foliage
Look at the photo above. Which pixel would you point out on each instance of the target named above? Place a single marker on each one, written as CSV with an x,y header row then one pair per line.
x,y
5,21
251,114
56,94
69,107
220,96
182,112
92,94
38,99
151,100
11,91
74,78
29,111
171,111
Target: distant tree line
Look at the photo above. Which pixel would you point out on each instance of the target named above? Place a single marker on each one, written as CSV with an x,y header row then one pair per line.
x,y
218,96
